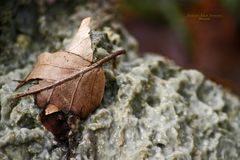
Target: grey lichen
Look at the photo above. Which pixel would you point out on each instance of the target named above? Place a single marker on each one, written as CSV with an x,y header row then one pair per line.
x,y
152,108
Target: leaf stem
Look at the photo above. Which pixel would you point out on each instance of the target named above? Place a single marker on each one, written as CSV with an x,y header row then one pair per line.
x,y
75,75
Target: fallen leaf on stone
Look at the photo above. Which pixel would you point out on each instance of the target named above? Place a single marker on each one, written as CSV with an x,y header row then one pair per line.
x,y
70,86
80,95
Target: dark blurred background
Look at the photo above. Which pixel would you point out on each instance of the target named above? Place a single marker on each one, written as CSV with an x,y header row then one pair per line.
x,y
199,34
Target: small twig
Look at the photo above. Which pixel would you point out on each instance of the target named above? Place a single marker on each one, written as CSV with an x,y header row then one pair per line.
x,y
87,69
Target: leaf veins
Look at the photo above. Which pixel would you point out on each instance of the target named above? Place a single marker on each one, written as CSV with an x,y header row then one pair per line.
x,y
67,79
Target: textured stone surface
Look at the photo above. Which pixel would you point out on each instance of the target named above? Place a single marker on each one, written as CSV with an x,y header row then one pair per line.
x,y
152,109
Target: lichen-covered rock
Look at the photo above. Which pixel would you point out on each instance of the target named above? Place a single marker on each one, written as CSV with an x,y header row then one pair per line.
x,y
152,109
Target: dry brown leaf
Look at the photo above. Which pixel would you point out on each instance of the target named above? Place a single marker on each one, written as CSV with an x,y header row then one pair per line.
x,y
55,66
51,109
81,43
80,95
68,81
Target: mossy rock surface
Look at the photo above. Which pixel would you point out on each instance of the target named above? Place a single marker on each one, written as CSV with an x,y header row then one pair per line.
x,y
152,108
